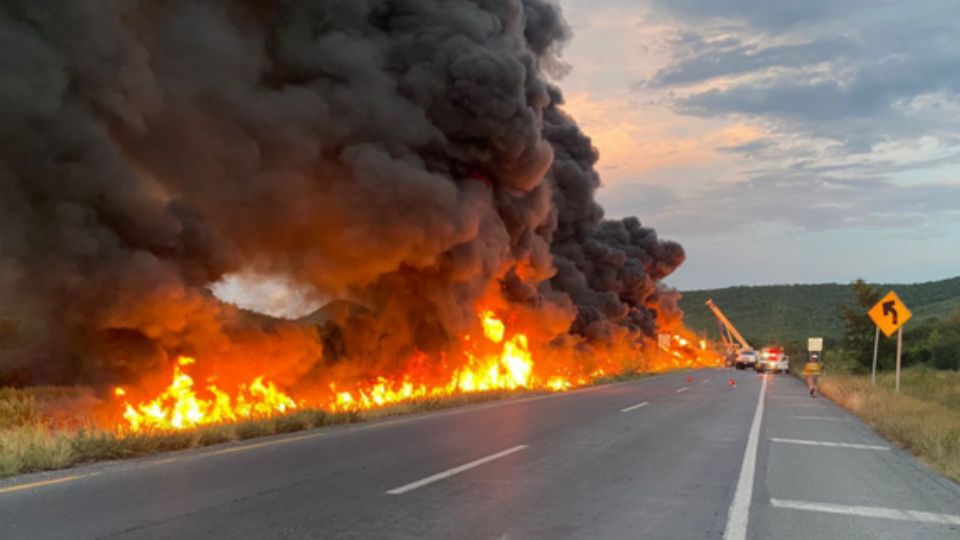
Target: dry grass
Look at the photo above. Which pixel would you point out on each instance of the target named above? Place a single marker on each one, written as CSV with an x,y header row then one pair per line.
x,y
923,419
40,430
35,435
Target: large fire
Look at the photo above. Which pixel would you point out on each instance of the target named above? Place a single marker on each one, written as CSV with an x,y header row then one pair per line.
x,y
499,359
180,407
508,369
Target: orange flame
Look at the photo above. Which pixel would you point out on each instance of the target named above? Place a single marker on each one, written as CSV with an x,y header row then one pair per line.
x,y
180,407
499,359
509,369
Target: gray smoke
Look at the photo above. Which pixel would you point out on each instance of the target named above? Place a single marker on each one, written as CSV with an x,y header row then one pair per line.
x,y
407,154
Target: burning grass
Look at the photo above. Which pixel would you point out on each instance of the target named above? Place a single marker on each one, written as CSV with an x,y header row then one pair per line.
x,y
30,440
924,419
50,428
498,359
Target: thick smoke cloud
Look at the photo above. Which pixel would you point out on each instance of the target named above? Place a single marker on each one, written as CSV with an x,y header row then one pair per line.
x,y
610,269
408,155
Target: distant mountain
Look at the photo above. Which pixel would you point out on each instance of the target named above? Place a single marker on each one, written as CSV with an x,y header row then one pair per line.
x,y
791,313
337,310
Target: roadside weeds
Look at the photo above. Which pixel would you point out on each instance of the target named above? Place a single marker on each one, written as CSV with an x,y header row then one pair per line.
x,y
31,440
924,418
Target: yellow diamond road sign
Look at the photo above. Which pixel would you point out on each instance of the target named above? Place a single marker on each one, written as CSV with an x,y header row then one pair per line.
x,y
890,313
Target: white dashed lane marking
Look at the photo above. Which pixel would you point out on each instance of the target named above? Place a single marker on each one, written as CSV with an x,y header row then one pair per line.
x,y
634,407
454,471
868,511
829,444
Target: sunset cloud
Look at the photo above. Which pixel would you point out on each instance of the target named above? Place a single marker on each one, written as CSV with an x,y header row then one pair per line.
x,y
786,120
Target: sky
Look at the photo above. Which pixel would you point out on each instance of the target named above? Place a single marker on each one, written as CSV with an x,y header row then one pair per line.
x,y
778,141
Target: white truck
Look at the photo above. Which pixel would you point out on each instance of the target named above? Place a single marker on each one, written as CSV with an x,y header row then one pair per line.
x,y
746,359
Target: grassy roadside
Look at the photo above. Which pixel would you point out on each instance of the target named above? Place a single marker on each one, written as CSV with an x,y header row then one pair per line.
x,y
924,418
33,438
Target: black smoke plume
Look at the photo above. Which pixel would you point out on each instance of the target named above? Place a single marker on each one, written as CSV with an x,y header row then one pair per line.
x,y
409,155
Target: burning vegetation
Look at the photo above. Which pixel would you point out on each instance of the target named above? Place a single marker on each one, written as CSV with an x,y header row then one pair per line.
x,y
179,406
409,163
495,360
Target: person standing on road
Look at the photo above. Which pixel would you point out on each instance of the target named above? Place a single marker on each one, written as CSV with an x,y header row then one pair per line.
x,y
812,371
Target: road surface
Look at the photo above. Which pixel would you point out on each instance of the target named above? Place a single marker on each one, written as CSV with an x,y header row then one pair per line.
x,y
657,458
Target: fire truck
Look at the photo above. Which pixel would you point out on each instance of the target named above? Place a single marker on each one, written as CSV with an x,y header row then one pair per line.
x,y
773,359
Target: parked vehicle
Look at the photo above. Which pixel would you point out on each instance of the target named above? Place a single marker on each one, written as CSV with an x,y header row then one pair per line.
x,y
746,359
773,359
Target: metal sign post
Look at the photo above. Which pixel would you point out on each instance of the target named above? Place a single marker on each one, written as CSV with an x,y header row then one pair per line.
x,y
876,347
899,348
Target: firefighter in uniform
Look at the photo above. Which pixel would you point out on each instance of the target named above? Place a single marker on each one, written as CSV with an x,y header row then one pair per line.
x,y
812,370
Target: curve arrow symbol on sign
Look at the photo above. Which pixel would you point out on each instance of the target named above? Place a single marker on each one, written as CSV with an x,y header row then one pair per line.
x,y
889,313
890,309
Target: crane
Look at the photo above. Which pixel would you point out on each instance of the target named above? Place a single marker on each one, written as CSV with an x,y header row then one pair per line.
x,y
729,332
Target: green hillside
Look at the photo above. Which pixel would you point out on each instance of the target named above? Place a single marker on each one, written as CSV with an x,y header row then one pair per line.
x,y
791,313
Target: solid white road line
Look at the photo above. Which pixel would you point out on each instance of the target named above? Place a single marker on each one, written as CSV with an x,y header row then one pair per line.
x,y
869,511
739,514
684,389
830,444
830,418
637,406
456,470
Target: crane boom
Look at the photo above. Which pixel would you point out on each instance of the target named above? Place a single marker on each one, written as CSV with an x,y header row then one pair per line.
x,y
728,325
725,337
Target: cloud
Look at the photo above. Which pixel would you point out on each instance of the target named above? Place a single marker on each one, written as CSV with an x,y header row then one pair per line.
x,y
733,57
801,200
271,294
751,147
868,74
638,198
767,14
871,90
817,119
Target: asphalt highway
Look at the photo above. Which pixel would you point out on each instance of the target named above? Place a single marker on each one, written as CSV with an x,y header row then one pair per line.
x,y
656,458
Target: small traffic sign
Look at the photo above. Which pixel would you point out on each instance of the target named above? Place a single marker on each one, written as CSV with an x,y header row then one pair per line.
x,y
890,313
815,344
